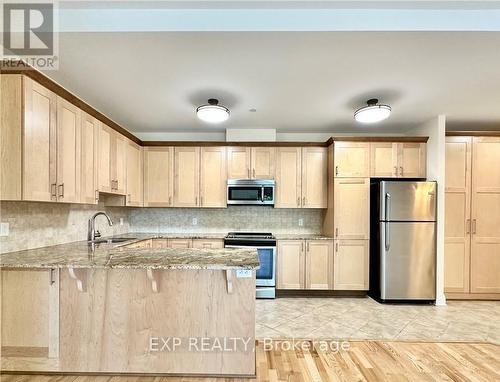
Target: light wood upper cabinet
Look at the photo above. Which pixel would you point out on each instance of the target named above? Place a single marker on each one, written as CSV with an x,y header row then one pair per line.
x,y
485,214
119,164
30,312
186,176
263,162
290,271
351,159
351,265
314,177
68,151
457,214
319,264
88,180
39,143
213,177
134,175
238,162
104,158
384,160
112,160
352,208
412,160
288,192
158,176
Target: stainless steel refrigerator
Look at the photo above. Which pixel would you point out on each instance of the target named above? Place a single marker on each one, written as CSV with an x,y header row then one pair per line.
x,y
403,240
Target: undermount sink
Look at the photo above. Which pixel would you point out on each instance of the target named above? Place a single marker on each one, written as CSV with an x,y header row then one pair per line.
x,y
113,240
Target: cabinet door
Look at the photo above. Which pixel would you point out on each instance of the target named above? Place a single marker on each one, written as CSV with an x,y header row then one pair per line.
x,y
351,159
412,160
158,176
39,143
288,193
68,151
352,208
457,214
159,243
383,160
88,180
213,177
186,176
238,162
208,243
314,177
319,264
134,175
351,265
485,254
104,158
179,243
291,264
120,164
30,312
263,162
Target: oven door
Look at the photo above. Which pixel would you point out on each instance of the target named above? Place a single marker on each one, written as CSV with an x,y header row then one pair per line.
x,y
266,274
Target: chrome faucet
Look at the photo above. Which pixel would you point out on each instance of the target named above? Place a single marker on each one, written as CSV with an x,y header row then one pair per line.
x,y
92,233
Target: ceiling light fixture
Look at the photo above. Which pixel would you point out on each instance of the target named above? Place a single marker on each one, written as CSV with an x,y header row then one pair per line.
x,y
213,112
373,112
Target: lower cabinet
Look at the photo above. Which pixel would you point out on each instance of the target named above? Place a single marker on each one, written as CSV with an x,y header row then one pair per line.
x,y
30,312
208,243
351,265
305,264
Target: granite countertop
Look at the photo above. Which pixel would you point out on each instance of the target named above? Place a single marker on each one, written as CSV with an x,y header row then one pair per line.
x,y
106,255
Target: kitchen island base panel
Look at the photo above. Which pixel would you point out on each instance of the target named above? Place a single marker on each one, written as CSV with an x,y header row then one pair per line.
x,y
120,322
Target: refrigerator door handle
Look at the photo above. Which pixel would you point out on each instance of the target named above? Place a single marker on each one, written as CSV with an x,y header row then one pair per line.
x,y
387,206
387,237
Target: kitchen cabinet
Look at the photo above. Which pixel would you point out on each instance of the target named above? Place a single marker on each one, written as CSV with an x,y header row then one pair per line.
x,y
398,160
485,215
412,160
158,176
351,208
213,177
159,243
88,181
351,159
134,175
305,264
290,264
30,312
39,143
251,162
68,152
472,217
180,243
186,176
351,265
301,177
148,243
208,243
112,154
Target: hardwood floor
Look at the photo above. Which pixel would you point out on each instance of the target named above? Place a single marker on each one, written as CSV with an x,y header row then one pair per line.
x,y
362,361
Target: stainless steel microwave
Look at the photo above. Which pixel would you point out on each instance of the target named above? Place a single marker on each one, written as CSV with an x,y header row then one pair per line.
x,y
250,191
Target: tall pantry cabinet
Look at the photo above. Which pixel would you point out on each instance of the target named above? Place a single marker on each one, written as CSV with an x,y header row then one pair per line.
x,y
472,218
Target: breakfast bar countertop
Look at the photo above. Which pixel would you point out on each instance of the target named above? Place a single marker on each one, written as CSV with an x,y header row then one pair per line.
x,y
116,255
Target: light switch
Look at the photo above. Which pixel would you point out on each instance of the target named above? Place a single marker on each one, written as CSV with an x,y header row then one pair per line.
x,y
4,229
195,221
121,221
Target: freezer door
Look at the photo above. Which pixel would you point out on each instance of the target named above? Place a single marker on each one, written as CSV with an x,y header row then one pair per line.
x,y
407,201
407,261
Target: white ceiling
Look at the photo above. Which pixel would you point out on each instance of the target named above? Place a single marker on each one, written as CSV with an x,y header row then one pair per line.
x,y
297,81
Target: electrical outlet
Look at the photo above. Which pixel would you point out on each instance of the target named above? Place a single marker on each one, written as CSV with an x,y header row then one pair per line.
x,y
301,222
195,221
243,273
121,221
4,229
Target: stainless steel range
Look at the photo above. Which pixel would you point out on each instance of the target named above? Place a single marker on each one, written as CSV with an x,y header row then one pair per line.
x,y
265,243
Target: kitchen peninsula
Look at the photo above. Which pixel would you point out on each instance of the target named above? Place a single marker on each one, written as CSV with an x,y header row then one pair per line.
x,y
129,308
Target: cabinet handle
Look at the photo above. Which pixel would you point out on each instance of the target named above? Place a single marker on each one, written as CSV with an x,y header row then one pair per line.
x,y
337,232
474,227
307,246
53,190
298,201
170,200
61,189
96,195
401,169
254,173
303,201
128,195
336,247
201,201
395,170
302,247
336,170
248,172
467,226
52,276
116,184
195,200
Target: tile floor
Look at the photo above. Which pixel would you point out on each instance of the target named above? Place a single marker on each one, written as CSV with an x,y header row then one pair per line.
x,y
365,319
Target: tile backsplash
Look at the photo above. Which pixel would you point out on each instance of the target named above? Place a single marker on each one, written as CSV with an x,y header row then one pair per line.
x,y
221,220
33,224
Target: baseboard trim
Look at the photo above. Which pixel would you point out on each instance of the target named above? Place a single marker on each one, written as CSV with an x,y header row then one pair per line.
x,y
321,293
473,296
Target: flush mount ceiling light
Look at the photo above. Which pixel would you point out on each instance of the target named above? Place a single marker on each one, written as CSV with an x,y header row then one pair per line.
x,y
372,112
213,112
